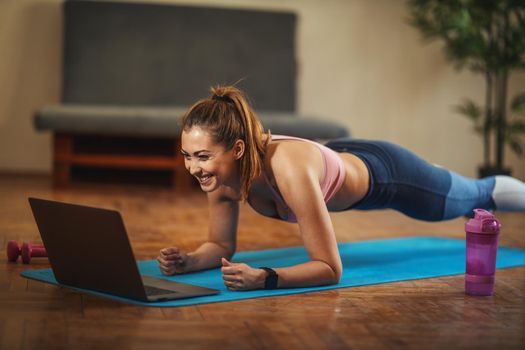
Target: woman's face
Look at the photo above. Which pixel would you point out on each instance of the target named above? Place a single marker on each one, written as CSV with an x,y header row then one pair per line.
x,y
209,162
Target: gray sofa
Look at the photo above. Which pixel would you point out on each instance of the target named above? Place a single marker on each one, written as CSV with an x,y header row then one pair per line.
x,y
131,69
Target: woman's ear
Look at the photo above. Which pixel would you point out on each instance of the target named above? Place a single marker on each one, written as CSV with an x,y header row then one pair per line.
x,y
238,149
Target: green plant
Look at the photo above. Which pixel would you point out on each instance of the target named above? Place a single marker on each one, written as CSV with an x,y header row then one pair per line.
x,y
487,37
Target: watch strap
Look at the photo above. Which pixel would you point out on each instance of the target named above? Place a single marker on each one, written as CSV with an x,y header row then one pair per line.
x,y
271,278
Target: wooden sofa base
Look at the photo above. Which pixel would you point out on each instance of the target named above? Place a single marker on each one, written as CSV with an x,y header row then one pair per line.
x,y
118,158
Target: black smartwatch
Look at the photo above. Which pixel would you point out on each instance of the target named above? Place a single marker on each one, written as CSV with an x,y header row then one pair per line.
x,y
271,278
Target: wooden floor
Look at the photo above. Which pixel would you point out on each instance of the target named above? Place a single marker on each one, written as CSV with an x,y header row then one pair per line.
x,y
424,314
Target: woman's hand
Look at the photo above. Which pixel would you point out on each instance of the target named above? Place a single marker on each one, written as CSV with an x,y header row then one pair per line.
x,y
241,276
173,261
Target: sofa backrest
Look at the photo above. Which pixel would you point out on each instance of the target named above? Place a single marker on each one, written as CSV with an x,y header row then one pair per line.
x,y
163,54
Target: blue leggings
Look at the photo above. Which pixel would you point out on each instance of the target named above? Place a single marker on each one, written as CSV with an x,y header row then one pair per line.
x,y
401,180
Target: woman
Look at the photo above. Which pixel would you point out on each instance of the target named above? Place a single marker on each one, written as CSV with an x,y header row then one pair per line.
x,y
226,150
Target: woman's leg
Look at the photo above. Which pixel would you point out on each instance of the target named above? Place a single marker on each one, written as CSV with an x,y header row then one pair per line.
x,y
506,193
403,181
432,193
466,194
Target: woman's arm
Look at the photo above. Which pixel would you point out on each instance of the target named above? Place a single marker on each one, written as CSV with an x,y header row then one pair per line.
x,y
224,215
222,232
299,186
298,183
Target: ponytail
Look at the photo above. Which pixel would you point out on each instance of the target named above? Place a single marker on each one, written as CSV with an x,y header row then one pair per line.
x,y
228,116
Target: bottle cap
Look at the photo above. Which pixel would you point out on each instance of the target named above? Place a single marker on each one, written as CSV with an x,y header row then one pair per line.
x,y
483,222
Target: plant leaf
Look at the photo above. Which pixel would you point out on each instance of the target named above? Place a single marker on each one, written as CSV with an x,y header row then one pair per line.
x,y
515,127
515,145
478,129
469,109
518,103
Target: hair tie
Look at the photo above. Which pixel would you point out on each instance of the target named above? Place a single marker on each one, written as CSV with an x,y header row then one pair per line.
x,y
222,98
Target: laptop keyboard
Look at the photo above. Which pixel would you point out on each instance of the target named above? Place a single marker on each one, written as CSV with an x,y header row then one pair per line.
x,y
152,291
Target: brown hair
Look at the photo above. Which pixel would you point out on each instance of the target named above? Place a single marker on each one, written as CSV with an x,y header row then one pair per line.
x,y
228,116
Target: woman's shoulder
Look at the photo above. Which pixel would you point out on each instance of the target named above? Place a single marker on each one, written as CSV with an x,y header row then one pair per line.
x,y
289,155
283,146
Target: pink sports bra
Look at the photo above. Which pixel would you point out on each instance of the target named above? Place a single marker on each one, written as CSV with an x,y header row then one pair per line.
x,y
333,178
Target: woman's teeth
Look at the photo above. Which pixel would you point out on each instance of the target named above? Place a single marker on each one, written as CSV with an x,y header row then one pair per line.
x,y
203,179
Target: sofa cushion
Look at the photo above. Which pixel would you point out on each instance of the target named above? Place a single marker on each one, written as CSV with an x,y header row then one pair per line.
x,y
165,121
147,53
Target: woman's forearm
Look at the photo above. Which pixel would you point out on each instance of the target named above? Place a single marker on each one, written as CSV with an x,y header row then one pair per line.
x,y
312,273
208,256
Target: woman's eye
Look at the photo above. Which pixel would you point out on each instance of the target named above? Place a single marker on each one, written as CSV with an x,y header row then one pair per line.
x,y
201,158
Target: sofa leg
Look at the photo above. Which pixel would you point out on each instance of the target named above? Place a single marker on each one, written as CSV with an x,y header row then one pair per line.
x,y
61,175
181,181
62,151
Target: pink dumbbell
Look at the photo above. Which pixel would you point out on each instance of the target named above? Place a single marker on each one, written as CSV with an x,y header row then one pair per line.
x,y
27,251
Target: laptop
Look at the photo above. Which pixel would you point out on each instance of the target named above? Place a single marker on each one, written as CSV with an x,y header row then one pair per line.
x,y
89,248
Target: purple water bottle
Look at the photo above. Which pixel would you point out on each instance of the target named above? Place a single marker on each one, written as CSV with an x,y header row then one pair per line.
x,y
482,246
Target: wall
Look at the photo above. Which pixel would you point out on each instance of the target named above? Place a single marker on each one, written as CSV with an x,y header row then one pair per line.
x,y
30,61
360,64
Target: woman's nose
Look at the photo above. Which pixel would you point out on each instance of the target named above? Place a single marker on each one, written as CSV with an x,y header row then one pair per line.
x,y
193,167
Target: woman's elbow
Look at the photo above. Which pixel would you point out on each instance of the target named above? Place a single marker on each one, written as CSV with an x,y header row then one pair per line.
x,y
337,272
338,275
332,272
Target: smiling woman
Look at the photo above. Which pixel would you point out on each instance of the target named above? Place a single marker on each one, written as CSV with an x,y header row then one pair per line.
x,y
209,162
301,181
232,126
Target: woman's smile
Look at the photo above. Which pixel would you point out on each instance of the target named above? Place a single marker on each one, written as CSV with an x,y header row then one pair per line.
x,y
204,180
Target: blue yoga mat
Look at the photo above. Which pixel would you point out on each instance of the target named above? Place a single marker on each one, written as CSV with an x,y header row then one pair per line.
x,y
365,263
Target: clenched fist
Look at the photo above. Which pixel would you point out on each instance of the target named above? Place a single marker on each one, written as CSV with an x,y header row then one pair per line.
x,y
173,261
